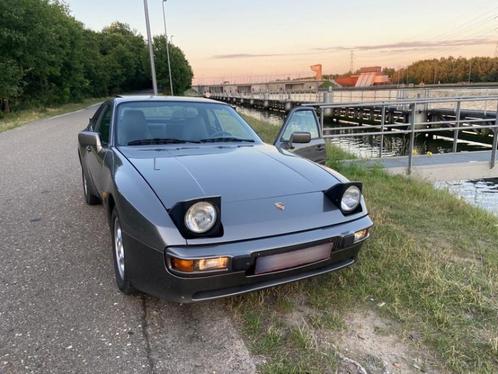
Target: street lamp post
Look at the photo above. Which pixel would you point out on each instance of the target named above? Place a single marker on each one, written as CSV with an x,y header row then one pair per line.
x,y
167,48
470,70
151,50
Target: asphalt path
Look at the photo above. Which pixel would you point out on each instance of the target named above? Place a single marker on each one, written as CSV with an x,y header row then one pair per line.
x,y
60,311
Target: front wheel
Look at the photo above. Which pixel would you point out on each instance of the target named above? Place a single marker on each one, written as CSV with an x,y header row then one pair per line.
x,y
90,197
119,256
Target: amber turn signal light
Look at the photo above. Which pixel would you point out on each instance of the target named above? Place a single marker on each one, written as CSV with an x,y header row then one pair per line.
x,y
360,235
186,266
204,264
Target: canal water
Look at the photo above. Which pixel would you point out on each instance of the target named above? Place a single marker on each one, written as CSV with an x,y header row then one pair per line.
x,y
481,193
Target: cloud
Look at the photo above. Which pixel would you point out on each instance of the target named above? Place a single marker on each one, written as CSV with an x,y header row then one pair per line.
x,y
415,45
401,47
257,55
247,55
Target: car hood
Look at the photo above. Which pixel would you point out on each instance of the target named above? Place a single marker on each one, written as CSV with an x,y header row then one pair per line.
x,y
236,173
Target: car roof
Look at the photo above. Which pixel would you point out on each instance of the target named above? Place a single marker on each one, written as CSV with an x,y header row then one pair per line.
x,y
184,99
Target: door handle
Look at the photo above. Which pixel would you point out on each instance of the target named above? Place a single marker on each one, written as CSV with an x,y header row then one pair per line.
x,y
320,146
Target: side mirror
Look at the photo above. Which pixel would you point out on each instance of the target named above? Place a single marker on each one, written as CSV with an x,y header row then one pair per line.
x,y
90,139
300,138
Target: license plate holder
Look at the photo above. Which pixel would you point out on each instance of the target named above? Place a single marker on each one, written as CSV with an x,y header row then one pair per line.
x,y
293,259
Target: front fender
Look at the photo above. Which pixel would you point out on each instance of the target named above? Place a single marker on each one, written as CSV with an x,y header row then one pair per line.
x,y
141,213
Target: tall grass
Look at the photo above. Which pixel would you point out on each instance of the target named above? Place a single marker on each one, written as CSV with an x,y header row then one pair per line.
x,y
432,262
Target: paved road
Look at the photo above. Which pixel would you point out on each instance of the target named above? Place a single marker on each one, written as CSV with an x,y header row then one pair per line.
x,y
60,311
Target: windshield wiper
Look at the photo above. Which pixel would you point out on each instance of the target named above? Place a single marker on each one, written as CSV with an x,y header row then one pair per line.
x,y
226,139
160,141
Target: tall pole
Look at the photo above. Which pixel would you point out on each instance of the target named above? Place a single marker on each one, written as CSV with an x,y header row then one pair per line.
x,y
470,70
151,50
167,49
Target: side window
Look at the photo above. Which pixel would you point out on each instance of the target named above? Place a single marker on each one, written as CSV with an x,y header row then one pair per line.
x,y
103,126
301,121
95,117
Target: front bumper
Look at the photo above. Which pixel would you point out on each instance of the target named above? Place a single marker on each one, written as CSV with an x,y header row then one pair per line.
x,y
149,273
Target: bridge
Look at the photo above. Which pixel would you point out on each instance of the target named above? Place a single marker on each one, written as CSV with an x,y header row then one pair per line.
x,y
407,112
280,96
426,116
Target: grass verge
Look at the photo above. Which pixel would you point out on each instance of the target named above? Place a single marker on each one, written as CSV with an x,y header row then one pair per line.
x,y
266,131
12,120
431,266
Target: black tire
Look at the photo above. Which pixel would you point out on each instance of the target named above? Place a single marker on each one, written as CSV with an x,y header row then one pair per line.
x,y
88,190
122,280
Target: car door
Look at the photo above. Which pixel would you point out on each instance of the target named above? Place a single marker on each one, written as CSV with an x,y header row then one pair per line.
x,y
302,120
94,157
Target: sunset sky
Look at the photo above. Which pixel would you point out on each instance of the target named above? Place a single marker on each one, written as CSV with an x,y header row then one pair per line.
x,y
260,39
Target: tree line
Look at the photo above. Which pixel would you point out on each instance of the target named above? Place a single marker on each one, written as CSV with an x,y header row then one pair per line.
x,y
48,57
447,70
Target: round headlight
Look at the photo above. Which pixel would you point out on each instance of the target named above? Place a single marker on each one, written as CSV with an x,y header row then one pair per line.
x,y
350,199
200,217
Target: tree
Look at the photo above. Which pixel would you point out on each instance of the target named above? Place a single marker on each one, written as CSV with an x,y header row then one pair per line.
x,y
181,70
123,51
449,70
10,83
48,57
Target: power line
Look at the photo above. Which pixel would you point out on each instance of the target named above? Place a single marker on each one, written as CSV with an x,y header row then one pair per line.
x,y
496,48
457,29
478,26
475,26
482,19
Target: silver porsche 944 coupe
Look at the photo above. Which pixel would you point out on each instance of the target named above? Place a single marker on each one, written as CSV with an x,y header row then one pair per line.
x,y
200,208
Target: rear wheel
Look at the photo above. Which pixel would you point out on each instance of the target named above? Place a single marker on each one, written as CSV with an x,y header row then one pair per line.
x,y
88,190
119,256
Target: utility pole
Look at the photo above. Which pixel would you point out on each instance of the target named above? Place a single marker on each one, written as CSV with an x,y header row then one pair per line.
x,y
470,70
151,50
167,48
496,48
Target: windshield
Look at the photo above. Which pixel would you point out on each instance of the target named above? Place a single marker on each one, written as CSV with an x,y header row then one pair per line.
x,y
162,122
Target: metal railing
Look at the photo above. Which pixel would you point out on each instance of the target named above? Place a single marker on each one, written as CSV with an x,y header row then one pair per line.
x,y
299,96
373,94
414,127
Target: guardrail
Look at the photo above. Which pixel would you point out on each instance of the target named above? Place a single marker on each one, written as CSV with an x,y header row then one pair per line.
x,y
371,94
301,96
413,127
